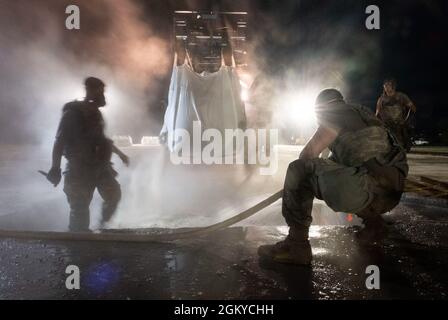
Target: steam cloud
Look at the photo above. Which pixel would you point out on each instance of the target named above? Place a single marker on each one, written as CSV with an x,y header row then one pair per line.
x,y
43,65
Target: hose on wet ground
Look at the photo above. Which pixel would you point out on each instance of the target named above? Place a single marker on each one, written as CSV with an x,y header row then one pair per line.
x,y
135,237
128,236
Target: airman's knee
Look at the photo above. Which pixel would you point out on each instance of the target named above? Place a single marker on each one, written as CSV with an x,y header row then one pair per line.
x,y
296,173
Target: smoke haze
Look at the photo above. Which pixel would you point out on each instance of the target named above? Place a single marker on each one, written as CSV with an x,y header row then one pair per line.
x,y
292,47
43,64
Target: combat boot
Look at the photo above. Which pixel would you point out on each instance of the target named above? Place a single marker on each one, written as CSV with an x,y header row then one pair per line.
x,y
375,230
295,249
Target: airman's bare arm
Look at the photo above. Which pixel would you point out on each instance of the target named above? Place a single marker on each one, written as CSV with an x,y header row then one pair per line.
x,y
412,106
321,139
120,154
408,102
58,148
378,106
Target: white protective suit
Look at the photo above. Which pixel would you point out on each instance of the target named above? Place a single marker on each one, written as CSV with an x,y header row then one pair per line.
x,y
214,99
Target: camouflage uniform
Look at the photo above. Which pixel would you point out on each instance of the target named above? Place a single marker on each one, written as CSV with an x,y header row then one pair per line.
x,y
88,154
393,112
365,174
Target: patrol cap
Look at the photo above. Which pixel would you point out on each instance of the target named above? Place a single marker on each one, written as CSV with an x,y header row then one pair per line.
x,y
92,82
327,96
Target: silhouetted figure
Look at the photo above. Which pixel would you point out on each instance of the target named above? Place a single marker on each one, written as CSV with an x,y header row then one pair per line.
x,y
365,175
394,108
80,138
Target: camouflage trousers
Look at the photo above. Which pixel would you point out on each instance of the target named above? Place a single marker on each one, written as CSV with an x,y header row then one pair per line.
x,y
401,133
344,189
79,185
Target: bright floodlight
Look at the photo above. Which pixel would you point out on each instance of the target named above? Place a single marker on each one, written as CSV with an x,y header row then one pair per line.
x,y
300,107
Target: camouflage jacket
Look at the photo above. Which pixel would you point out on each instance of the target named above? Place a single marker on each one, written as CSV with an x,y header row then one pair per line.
x,y
81,130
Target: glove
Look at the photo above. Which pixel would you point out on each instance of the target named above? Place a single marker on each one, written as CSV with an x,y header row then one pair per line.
x,y
125,159
54,176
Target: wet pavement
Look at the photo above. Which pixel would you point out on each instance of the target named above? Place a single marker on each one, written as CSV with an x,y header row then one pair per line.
x,y
224,265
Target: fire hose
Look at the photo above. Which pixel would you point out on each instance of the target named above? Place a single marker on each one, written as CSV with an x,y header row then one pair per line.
x,y
132,237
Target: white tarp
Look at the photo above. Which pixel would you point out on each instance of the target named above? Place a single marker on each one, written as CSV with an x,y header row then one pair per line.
x,y
214,99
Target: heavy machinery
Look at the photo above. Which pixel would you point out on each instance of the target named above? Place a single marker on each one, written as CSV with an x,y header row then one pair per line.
x,y
205,33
